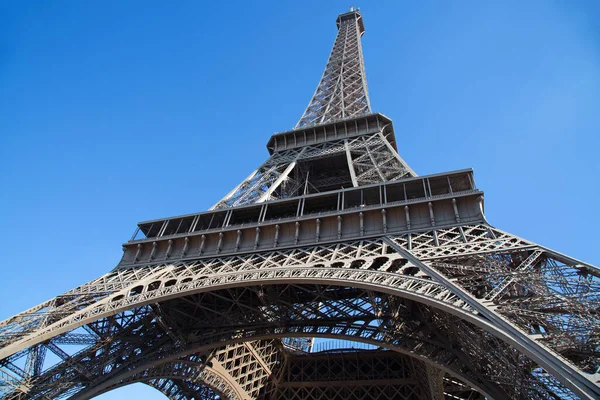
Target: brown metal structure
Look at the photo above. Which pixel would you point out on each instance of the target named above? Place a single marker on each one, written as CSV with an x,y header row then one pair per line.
x,y
335,237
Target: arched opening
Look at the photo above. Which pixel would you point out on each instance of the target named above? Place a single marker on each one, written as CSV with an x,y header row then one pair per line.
x,y
357,264
136,290
365,319
345,369
133,391
170,282
252,309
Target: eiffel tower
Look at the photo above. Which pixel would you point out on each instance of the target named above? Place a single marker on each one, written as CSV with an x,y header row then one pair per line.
x,y
334,237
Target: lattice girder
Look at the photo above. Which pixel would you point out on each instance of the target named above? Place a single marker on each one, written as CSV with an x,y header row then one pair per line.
x,y
231,372
342,329
178,389
371,374
342,91
340,263
354,161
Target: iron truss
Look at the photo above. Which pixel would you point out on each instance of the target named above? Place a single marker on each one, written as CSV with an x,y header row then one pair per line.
x,y
224,304
366,159
342,91
447,301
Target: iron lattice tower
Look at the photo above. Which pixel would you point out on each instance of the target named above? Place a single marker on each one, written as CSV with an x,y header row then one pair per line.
x,y
334,236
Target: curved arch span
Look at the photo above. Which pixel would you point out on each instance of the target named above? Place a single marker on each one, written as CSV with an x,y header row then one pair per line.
x,y
179,388
419,289
422,290
139,373
196,373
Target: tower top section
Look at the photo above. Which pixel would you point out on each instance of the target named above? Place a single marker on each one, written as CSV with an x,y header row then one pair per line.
x,y
342,91
352,15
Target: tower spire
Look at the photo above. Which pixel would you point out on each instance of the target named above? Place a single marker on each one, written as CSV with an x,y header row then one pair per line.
x,y
342,91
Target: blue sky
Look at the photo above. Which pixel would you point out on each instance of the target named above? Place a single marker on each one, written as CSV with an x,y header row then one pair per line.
x,y
117,112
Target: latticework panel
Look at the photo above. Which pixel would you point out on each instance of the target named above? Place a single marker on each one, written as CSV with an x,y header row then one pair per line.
x,y
374,160
378,291
342,91
368,375
546,295
250,365
358,161
176,389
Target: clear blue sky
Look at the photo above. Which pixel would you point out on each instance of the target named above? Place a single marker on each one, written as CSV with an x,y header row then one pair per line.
x,y
117,112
